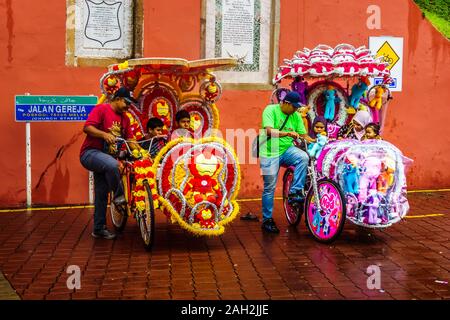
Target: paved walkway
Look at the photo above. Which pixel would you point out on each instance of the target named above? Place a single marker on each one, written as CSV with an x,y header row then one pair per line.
x,y
414,258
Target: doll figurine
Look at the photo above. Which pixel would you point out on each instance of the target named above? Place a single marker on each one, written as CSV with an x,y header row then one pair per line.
x,y
386,177
351,178
371,170
373,204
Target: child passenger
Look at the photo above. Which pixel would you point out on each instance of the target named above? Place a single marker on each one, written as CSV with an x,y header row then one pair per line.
x,y
355,129
183,121
319,126
154,134
372,132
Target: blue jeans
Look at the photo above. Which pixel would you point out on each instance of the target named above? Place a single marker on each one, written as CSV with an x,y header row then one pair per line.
x,y
106,179
270,167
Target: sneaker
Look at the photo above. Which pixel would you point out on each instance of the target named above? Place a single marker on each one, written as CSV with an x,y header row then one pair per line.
x,y
294,198
269,226
105,234
120,201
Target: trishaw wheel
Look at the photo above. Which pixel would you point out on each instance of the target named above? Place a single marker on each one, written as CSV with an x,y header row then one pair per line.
x,y
326,224
293,213
146,219
119,216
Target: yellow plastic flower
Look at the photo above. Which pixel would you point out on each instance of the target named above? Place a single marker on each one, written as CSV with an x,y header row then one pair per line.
x,y
140,205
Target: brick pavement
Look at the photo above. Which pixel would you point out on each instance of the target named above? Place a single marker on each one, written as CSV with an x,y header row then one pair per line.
x,y
37,247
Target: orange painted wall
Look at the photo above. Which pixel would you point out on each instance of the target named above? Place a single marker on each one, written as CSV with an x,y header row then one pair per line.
x,y
32,50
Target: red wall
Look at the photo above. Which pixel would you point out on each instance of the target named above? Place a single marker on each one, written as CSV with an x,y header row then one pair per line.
x,y
32,52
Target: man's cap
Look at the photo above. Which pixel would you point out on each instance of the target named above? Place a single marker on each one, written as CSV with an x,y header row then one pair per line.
x,y
293,98
123,92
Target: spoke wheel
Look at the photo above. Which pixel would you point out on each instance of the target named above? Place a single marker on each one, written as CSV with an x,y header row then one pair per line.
x,y
293,212
119,215
325,223
146,219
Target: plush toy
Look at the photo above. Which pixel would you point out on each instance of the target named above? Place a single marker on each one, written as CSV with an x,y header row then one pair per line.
x,y
351,178
376,103
301,87
202,184
371,170
330,103
358,91
373,205
304,112
315,148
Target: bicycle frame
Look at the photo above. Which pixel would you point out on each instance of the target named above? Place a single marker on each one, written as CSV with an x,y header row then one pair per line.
x,y
314,178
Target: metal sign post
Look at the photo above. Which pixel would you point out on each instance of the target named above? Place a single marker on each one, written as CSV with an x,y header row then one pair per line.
x,y
30,108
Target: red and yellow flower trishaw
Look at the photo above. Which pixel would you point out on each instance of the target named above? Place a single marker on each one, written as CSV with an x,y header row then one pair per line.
x,y
194,181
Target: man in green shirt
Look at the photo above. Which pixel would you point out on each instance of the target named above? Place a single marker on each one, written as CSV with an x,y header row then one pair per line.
x,y
280,150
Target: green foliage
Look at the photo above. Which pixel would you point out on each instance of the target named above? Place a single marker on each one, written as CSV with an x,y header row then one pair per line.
x,y
438,12
440,8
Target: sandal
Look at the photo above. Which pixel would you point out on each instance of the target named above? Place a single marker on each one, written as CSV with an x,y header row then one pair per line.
x,y
250,217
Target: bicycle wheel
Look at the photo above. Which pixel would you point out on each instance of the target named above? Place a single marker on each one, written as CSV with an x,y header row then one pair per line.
x,y
119,216
146,219
293,213
325,223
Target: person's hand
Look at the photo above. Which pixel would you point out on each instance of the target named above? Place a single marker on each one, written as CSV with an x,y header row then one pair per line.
x,y
109,138
294,135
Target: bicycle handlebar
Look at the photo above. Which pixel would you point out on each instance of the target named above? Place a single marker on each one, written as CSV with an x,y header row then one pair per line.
x,y
139,142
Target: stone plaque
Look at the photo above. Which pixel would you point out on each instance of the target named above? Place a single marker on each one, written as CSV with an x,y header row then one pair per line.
x,y
241,29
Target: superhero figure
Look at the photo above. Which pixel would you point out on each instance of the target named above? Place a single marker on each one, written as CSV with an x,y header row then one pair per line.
x,y
202,184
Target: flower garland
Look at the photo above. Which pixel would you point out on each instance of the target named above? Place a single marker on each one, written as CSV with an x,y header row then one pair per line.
x,y
215,116
143,171
218,229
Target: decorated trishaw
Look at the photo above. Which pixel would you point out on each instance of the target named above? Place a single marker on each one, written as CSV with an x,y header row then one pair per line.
x,y
193,180
361,181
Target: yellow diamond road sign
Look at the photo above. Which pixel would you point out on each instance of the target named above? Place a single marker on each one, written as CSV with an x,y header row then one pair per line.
x,y
389,55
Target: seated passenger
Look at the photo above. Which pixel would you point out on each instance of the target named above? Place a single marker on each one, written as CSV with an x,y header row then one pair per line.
x,y
154,132
183,120
318,129
355,129
372,132
319,126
